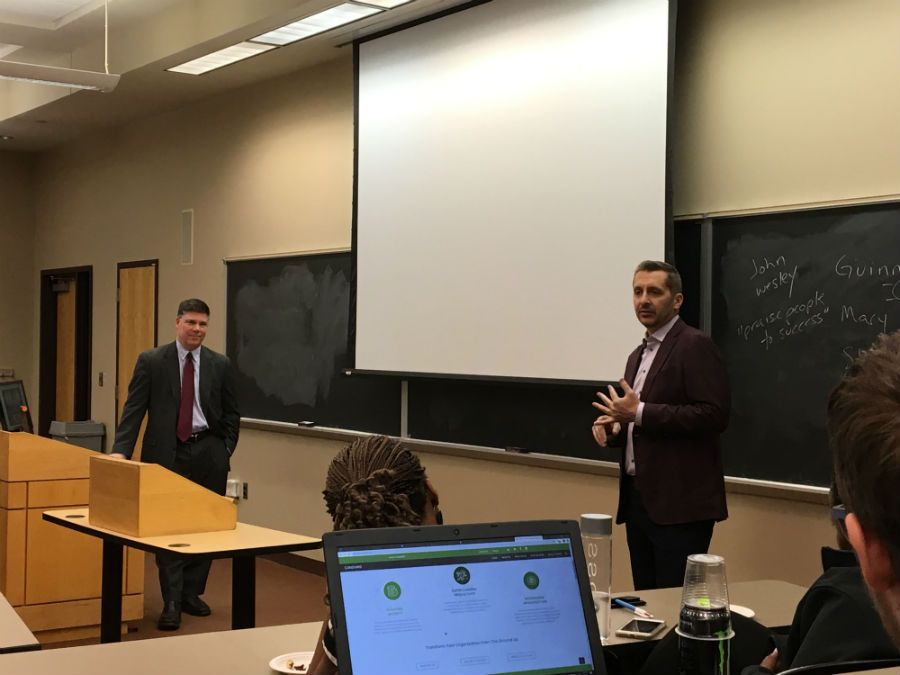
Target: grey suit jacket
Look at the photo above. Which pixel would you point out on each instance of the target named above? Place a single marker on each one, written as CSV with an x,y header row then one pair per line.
x,y
155,389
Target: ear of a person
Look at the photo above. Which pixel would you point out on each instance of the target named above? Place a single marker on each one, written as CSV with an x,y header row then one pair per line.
x,y
874,560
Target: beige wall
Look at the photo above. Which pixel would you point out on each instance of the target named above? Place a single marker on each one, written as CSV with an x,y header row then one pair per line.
x,y
18,283
785,103
268,169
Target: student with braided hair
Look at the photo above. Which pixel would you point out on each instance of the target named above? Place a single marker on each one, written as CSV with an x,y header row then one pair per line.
x,y
373,482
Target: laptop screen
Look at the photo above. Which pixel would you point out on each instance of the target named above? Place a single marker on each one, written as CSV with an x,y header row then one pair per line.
x,y
467,600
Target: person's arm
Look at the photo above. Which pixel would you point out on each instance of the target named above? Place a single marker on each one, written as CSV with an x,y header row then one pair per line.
x,y
231,416
133,411
320,664
706,392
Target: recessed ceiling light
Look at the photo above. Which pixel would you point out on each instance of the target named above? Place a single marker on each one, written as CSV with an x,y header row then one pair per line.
x,y
317,23
223,57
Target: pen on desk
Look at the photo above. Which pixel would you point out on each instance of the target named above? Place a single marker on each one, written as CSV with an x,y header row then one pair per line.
x,y
637,610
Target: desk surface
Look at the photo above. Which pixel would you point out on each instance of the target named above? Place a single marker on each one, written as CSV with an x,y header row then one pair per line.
x,y
224,543
773,601
236,652
249,651
14,634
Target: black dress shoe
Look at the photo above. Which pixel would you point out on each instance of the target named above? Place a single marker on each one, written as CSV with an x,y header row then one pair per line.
x,y
170,619
191,604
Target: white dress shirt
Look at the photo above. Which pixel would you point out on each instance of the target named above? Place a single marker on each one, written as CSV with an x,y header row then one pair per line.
x,y
651,346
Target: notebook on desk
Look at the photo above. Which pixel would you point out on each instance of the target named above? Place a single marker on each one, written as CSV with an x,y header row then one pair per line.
x,y
462,600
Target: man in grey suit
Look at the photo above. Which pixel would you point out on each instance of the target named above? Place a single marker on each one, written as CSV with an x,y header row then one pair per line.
x,y
676,401
189,395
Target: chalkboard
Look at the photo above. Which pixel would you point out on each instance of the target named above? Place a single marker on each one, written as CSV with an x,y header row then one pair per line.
x,y
546,418
287,332
796,296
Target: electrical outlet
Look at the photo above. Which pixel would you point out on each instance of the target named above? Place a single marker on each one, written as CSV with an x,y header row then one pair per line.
x,y
7,372
245,491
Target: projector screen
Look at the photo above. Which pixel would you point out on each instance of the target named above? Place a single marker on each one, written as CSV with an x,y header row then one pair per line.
x,y
511,173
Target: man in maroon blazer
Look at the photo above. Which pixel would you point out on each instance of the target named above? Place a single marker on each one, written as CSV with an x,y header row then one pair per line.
x,y
675,402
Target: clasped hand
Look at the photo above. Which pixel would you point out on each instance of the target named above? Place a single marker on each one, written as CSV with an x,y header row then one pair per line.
x,y
618,410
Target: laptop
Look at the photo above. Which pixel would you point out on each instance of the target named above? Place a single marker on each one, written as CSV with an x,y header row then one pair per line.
x,y
462,600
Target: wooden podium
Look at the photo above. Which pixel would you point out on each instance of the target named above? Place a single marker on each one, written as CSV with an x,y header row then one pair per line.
x,y
51,576
146,500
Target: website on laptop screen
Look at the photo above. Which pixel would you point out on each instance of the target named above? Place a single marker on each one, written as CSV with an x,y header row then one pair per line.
x,y
483,606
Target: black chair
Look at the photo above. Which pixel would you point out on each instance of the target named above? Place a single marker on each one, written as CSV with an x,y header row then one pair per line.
x,y
845,667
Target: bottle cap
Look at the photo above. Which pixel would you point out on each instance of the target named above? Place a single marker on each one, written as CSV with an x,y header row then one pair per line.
x,y
596,524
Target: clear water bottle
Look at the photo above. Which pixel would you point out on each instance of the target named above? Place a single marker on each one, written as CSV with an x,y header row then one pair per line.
x,y
704,624
596,537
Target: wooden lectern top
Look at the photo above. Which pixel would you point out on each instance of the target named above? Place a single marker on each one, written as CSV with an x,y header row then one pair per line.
x,y
25,457
145,500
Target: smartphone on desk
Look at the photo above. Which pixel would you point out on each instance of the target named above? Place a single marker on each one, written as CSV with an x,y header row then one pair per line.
x,y
641,629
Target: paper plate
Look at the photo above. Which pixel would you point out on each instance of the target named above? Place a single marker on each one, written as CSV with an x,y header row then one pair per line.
x,y
743,611
292,664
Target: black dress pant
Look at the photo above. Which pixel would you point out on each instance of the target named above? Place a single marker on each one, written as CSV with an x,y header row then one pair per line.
x,y
205,462
659,552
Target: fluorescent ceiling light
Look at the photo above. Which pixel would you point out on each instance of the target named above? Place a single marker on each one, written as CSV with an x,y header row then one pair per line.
x,y
223,57
60,77
387,4
317,23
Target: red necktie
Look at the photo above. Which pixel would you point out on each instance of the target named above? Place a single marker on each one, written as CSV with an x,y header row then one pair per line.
x,y
186,411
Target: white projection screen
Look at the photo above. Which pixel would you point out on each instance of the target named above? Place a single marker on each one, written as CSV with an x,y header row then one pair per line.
x,y
511,172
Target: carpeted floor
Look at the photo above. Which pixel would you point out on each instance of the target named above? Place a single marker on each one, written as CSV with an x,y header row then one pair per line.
x,y
289,589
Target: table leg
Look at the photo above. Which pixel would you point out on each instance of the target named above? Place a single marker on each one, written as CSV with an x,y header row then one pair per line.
x,y
243,591
111,593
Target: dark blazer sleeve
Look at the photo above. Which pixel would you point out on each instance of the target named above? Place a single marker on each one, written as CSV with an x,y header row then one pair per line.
x,y
231,417
136,405
218,396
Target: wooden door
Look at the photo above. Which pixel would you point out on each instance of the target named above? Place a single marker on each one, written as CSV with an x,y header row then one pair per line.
x,y
64,382
136,330
65,349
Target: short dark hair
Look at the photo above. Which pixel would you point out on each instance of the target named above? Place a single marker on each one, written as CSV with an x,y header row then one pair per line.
x,y
193,305
375,482
673,276
863,427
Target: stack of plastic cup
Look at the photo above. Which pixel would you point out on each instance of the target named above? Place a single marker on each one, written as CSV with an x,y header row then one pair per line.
x,y
596,537
704,625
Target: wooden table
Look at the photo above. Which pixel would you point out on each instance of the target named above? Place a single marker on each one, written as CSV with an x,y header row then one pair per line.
x,y
235,652
14,634
773,601
241,544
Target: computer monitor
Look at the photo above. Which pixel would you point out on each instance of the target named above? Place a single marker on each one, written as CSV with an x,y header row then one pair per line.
x,y
14,412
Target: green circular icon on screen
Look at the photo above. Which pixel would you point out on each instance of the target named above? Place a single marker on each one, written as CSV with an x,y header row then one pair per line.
x,y
392,590
531,580
461,575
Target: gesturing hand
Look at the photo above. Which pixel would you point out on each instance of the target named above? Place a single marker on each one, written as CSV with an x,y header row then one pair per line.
x,y
604,427
621,409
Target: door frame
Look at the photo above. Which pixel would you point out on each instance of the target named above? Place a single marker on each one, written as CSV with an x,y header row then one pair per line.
x,y
83,277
